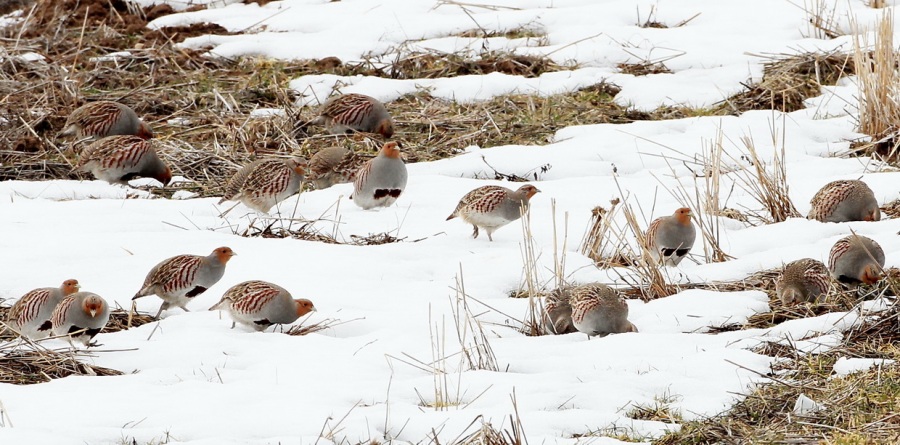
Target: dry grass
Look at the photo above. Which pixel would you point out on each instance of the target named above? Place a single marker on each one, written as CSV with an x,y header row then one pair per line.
x,y
305,329
860,408
768,186
891,209
601,242
788,80
879,90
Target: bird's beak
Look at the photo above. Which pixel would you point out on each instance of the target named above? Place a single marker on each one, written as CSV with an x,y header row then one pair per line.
x,y
93,313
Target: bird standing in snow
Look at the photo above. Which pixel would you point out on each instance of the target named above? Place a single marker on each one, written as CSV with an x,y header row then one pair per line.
x,y
491,207
31,314
856,259
804,280
844,200
179,279
598,310
670,238
105,118
266,182
381,180
353,112
260,304
119,159
81,316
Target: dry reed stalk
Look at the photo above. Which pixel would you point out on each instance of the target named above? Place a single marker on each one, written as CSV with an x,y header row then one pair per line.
x,y
769,189
531,285
879,88
477,353
599,239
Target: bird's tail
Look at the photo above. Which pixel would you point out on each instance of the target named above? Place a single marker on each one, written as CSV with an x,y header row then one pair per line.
x,y
218,306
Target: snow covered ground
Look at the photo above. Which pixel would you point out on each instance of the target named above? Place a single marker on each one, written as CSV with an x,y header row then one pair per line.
x,y
195,381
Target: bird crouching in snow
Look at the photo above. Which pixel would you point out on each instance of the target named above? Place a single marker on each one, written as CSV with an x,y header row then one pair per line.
x,y
80,316
856,259
381,180
31,315
266,182
491,207
670,238
179,279
557,314
333,165
844,200
598,310
804,280
119,159
260,304
105,118
353,112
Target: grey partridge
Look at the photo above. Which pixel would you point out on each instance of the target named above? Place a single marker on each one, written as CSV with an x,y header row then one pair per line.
x,y
844,200
31,314
119,159
353,112
598,310
856,259
670,238
266,182
80,316
491,207
804,280
179,279
105,118
381,180
260,304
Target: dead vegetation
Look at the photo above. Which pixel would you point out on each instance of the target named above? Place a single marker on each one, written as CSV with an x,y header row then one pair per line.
x,y
790,79
24,367
860,408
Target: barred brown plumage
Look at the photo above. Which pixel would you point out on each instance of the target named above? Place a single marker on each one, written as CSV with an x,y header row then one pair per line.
x,y
355,112
491,207
670,238
260,304
333,165
266,182
179,279
31,314
844,200
80,316
804,280
381,180
856,259
598,309
557,316
119,159
105,118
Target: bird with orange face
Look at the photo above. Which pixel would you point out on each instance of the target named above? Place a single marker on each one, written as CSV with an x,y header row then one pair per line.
x,y
179,279
80,316
30,315
670,238
260,304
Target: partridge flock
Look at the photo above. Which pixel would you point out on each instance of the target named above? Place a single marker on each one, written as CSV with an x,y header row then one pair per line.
x,y
122,149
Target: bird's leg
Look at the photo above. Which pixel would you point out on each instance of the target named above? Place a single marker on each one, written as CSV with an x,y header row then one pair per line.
x,y
162,307
474,231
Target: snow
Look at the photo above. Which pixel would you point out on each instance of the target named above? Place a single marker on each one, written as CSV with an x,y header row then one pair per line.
x,y
190,379
848,365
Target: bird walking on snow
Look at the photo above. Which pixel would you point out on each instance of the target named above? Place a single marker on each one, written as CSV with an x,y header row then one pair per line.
x,y
119,159
333,165
260,304
30,315
670,238
491,207
844,200
353,112
179,279
557,317
598,310
856,259
105,118
804,280
81,316
266,182
381,180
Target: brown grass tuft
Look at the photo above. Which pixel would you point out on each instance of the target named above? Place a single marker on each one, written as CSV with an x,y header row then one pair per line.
x,y
788,80
879,93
